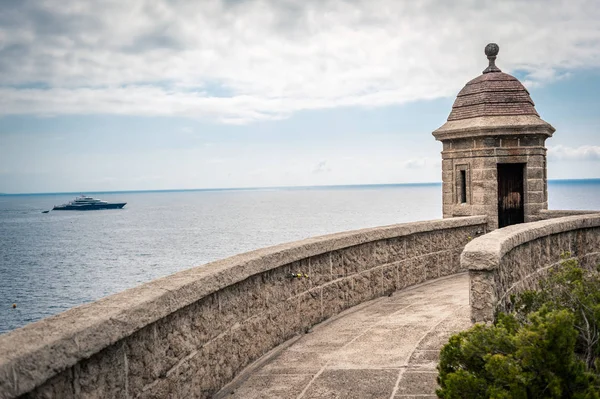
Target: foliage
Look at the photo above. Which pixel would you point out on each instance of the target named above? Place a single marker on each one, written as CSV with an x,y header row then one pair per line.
x,y
546,347
576,290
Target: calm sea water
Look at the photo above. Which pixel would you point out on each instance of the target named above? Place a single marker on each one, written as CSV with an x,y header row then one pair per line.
x,y
52,262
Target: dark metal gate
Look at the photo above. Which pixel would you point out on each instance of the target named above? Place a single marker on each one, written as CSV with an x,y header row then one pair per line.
x,y
510,194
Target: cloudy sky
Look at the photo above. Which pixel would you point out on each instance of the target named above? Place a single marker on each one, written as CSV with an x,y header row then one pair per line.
x,y
126,95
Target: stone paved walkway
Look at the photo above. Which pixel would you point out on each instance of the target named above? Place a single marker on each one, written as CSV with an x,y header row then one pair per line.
x,y
386,348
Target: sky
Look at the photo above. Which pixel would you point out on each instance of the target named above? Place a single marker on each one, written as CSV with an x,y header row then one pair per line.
x,y
149,95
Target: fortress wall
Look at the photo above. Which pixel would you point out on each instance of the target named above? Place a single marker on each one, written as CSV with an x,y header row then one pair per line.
x,y
512,259
546,214
189,334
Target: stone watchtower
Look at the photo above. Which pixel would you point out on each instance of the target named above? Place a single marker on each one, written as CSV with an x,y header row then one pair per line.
x,y
494,158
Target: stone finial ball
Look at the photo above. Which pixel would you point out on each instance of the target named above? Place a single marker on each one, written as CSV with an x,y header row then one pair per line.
x,y
491,50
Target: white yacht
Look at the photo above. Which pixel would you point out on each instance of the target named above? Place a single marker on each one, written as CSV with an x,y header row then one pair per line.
x,y
86,203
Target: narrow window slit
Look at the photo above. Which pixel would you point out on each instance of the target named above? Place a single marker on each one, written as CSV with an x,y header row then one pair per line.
x,y
463,186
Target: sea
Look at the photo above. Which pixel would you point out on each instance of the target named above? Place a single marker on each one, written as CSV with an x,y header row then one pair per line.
x,y
55,261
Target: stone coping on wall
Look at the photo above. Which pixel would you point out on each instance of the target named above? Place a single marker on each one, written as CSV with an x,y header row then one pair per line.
x,y
513,259
486,252
45,348
546,214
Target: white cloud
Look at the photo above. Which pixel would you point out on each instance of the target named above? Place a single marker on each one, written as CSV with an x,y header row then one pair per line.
x,y
415,163
322,167
214,161
582,153
421,163
243,61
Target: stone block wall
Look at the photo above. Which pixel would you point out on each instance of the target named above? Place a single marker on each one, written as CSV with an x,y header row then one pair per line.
x,y
552,214
479,157
513,259
189,334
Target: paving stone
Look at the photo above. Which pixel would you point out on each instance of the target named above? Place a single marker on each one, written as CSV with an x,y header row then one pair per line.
x,y
382,346
272,386
424,359
361,352
417,383
374,384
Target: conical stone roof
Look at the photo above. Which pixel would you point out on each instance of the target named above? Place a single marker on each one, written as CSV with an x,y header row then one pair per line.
x,y
494,101
492,94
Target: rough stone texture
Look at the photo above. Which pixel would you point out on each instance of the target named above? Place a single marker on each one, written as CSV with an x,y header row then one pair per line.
x,y
188,334
514,258
482,186
386,348
492,94
482,295
546,214
495,127
493,121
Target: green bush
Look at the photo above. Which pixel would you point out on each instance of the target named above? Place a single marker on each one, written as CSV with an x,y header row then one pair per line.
x,y
576,290
546,347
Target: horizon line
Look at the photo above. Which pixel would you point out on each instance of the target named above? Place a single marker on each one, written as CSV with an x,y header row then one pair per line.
x,y
263,188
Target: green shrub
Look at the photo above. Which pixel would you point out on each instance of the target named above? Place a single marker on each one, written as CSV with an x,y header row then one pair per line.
x,y
576,290
546,347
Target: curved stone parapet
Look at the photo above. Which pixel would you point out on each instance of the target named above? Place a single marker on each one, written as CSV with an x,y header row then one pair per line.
x,y
546,214
188,334
512,259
